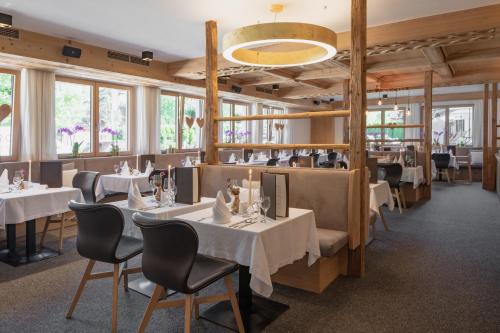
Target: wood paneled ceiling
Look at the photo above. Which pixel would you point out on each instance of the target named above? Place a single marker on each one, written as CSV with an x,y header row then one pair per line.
x,y
461,48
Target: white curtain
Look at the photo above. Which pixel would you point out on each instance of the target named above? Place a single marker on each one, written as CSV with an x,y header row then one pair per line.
x,y
287,133
477,124
147,129
222,137
256,125
38,127
413,118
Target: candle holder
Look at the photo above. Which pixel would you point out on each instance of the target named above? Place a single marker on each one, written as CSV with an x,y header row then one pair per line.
x,y
157,190
234,191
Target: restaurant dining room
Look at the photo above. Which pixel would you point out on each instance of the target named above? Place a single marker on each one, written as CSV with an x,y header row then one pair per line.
x,y
249,166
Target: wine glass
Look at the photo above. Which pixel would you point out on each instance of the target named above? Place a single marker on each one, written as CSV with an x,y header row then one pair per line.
x,y
116,167
265,205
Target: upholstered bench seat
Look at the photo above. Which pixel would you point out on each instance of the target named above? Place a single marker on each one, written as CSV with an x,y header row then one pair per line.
x,y
331,241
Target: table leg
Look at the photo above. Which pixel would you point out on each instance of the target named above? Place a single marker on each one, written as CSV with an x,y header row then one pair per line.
x,y
257,312
382,217
30,238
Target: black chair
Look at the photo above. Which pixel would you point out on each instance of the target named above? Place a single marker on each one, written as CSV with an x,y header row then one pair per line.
x,y
293,159
392,172
86,181
100,238
442,162
272,162
342,165
170,260
162,172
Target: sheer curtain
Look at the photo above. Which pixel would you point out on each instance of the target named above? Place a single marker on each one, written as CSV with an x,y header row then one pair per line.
x,y
256,125
413,118
38,125
147,131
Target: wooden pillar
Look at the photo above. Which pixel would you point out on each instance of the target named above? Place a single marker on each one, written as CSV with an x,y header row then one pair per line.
x,y
358,125
492,159
486,102
428,128
212,87
347,106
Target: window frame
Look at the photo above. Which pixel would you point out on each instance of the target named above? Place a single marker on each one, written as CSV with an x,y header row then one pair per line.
x,y
177,109
232,109
447,108
383,110
95,85
16,116
281,110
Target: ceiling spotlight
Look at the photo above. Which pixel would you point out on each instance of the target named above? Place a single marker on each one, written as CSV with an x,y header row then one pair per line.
x,y
316,102
147,55
276,87
396,107
5,20
379,99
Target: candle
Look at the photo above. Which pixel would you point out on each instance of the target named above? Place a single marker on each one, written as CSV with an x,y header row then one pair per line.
x,y
168,180
137,162
250,187
29,171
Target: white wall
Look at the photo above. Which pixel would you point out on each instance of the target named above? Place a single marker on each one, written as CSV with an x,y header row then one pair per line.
x,y
299,129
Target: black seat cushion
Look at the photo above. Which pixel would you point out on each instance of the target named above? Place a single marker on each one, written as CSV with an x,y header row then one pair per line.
x,y
207,270
128,247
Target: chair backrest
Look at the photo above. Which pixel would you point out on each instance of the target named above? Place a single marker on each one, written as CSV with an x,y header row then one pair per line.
x,y
163,172
100,229
67,177
272,162
442,160
86,181
293,159
342,165
170,248
392,173
332,156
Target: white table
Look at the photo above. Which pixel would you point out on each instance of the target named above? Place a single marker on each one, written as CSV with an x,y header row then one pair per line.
x,y
414,175
26,206
110,184
260,249
380,194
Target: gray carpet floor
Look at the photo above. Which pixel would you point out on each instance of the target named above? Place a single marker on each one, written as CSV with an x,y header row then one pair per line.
x,y
436,270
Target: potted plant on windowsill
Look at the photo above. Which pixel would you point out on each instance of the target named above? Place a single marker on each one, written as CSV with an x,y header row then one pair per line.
x,y
116,135
71,133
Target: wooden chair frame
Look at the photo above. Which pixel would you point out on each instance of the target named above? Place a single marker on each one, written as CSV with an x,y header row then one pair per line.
x,y
189,303
118,271
62,219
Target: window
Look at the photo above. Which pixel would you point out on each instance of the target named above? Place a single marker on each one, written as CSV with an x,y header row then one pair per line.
x,y
270,134
385,117
73,117
191,135
452,125
235,131
168,121
92,118
8,115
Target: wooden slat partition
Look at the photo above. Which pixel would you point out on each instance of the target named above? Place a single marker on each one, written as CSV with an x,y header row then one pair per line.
x,y
428,127
347,105
492,159
300,115
395,140
486,102
283,146
397,126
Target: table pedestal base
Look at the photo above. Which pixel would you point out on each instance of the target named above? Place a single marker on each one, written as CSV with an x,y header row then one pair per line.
x,y
16,259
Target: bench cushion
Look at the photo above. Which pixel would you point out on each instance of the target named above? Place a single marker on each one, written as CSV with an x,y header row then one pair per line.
x,y
331,241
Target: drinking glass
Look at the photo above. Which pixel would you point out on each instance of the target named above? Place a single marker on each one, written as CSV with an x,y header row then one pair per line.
x,y
17,179
116,167
265,205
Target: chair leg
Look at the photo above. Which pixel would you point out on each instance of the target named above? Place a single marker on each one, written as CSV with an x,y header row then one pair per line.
x,y
196,309
382,217
188,309
125,277
470,173
403,199
44,233
234,303
114,310
398,199
447,173
85,277
157,294
61,235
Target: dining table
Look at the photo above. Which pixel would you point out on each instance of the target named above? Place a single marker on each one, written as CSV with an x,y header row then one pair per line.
x,y
413,175
118,183
157,211
453,164
25,206
261,249
380,195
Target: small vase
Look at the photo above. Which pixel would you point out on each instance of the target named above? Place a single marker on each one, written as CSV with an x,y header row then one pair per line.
x,y
157,193
235,206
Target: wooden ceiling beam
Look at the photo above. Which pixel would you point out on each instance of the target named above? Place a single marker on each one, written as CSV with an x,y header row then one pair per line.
x,y
437,59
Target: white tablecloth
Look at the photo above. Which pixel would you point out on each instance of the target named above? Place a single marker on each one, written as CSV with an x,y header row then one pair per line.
x,y
109,184
19,207
380,194
453,164
414,175
158,213
264,247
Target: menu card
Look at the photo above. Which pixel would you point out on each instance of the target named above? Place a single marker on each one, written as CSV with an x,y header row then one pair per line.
x,y
187,181
276,186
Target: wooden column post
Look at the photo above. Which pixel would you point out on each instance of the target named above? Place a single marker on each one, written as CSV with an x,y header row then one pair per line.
x,y
491,159
347,106
486,102
428,129
212,87
358,125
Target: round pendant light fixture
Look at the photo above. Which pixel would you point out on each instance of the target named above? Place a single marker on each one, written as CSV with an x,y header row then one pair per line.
x,y
279,44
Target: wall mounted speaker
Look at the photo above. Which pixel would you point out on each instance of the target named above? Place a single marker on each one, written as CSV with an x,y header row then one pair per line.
x,y
236,89
71,52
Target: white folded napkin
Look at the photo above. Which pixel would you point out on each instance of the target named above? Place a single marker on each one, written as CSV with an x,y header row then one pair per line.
x,y
4,181
450,152
221,213
251,158
125,170
232,158
135,200
149,169
401,160
262,157
187,162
